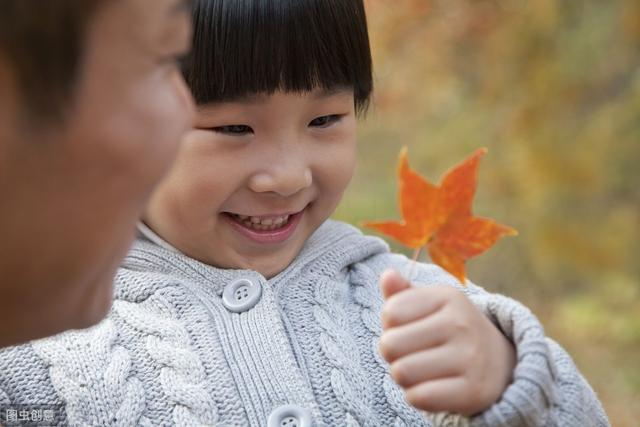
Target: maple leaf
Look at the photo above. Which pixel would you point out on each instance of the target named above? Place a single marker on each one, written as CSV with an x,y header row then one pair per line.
x,y
440,217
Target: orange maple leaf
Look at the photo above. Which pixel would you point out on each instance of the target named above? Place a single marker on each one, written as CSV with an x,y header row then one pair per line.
x,y
440,217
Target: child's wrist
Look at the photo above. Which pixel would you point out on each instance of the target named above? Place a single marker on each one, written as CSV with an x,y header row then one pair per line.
x,y
505,360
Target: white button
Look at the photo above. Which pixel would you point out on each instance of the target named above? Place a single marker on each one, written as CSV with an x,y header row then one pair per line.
x,y
289,416
241,295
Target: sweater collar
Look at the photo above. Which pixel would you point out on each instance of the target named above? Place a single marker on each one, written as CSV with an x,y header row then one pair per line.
x,y
333,247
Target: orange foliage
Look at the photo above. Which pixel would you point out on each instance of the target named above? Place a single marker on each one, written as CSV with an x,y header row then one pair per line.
x,y
440,217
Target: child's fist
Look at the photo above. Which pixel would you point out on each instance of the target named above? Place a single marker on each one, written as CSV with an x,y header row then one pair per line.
x,y
444,353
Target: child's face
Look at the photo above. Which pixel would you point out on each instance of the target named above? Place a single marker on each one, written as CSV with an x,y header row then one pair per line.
x,y
256,178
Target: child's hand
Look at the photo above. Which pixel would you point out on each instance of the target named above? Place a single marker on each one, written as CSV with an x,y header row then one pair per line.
x,y
444,353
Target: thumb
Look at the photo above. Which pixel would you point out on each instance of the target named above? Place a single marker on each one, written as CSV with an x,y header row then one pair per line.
x,y
391,282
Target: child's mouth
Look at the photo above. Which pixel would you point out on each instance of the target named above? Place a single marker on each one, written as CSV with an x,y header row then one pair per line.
x,y
262,224
265,229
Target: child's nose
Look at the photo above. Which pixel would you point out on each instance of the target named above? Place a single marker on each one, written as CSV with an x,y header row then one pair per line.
x,y
285,177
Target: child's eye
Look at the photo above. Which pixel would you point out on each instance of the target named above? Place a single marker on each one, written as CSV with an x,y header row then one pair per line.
x,y
325,121
234,129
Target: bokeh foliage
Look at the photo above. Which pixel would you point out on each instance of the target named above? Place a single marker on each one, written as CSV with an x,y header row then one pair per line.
x,y
552,88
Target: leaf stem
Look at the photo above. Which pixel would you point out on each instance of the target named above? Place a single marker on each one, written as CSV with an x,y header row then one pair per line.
x,y
414,260
416,254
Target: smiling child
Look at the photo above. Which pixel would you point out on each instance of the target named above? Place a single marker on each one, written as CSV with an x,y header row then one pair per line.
x,y
242,304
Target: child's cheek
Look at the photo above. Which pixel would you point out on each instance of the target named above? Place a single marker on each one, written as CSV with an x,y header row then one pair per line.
x,y
339,168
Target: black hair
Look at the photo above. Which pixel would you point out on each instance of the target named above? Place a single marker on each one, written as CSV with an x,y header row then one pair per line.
x,y
42,43
247,47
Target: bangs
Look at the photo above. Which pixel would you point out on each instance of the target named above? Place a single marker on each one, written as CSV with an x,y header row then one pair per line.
x,y
247,47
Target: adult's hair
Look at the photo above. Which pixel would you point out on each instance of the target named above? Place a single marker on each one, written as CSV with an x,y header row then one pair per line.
x,y
246,47
42,43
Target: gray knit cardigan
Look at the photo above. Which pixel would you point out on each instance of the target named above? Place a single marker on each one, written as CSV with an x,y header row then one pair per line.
x,y
171,353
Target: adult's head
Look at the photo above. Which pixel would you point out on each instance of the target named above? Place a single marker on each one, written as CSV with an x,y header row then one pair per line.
x,y
92,107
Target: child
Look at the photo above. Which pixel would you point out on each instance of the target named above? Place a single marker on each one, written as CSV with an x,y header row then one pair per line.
x,y
242,304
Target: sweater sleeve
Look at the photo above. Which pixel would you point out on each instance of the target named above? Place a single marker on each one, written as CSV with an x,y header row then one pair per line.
x,y
547,388
4,399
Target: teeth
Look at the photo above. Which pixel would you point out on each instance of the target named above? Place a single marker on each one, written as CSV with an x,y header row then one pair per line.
x,y
262,224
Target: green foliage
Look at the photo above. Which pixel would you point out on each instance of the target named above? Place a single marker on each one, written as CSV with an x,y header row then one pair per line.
x,y
553,90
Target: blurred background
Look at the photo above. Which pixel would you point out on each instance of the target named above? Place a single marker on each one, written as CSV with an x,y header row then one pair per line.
x,y
552,88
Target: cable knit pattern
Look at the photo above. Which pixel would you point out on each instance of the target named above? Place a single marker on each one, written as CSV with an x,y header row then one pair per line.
x,y
181,372
86,366
4,398
569,408
171,353
370,301
348,385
